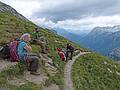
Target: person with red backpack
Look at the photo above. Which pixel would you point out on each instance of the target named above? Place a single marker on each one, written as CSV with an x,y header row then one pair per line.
x,y
61,54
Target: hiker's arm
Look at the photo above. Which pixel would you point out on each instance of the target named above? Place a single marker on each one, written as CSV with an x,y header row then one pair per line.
x,y
28,48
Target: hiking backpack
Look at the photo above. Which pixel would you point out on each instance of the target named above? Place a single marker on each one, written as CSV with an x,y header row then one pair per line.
x,y
13,50
62,55
71,48
5,52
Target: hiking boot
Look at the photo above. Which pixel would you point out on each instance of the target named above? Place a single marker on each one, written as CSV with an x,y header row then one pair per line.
x,y
35,73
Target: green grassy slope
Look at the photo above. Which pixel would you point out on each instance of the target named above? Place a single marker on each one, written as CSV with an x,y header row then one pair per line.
x,y
90,72
12,27
95,72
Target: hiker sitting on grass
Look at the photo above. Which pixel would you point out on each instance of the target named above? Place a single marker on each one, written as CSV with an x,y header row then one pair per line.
x,y
61,54
24,50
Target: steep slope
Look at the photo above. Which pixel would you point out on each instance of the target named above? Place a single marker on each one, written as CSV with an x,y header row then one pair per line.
x,y
9,9
95,72
102,39
13,27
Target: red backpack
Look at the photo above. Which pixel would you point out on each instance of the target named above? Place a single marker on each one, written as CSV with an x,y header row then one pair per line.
x,y
62,55
13,51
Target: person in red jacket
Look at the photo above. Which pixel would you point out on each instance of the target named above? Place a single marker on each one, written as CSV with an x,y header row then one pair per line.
x,y
61,54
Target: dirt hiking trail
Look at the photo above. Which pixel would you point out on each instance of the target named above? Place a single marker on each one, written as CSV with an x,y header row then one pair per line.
x,y
68,69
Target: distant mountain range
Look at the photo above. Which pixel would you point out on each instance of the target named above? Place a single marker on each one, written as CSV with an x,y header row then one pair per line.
x,y
105,40
69,35
115,54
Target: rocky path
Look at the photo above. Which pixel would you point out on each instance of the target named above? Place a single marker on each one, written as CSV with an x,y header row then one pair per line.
x,y
67,74
67,71
6,64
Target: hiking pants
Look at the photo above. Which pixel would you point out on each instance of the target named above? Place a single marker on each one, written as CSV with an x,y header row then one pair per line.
x,y
33,63
69,54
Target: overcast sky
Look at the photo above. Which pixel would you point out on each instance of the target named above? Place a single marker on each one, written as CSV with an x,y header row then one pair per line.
x,y
69,14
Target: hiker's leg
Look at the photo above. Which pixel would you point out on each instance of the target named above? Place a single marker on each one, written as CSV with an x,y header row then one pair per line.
x,y
33,63
71,55
66,55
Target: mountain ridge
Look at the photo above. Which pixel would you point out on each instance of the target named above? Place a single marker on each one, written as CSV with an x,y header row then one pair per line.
x,y
102,39
9,9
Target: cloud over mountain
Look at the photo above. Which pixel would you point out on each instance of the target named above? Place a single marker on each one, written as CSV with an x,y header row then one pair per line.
x,y
74,14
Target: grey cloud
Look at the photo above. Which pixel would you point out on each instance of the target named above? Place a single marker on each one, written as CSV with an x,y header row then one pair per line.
x,y
79,9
